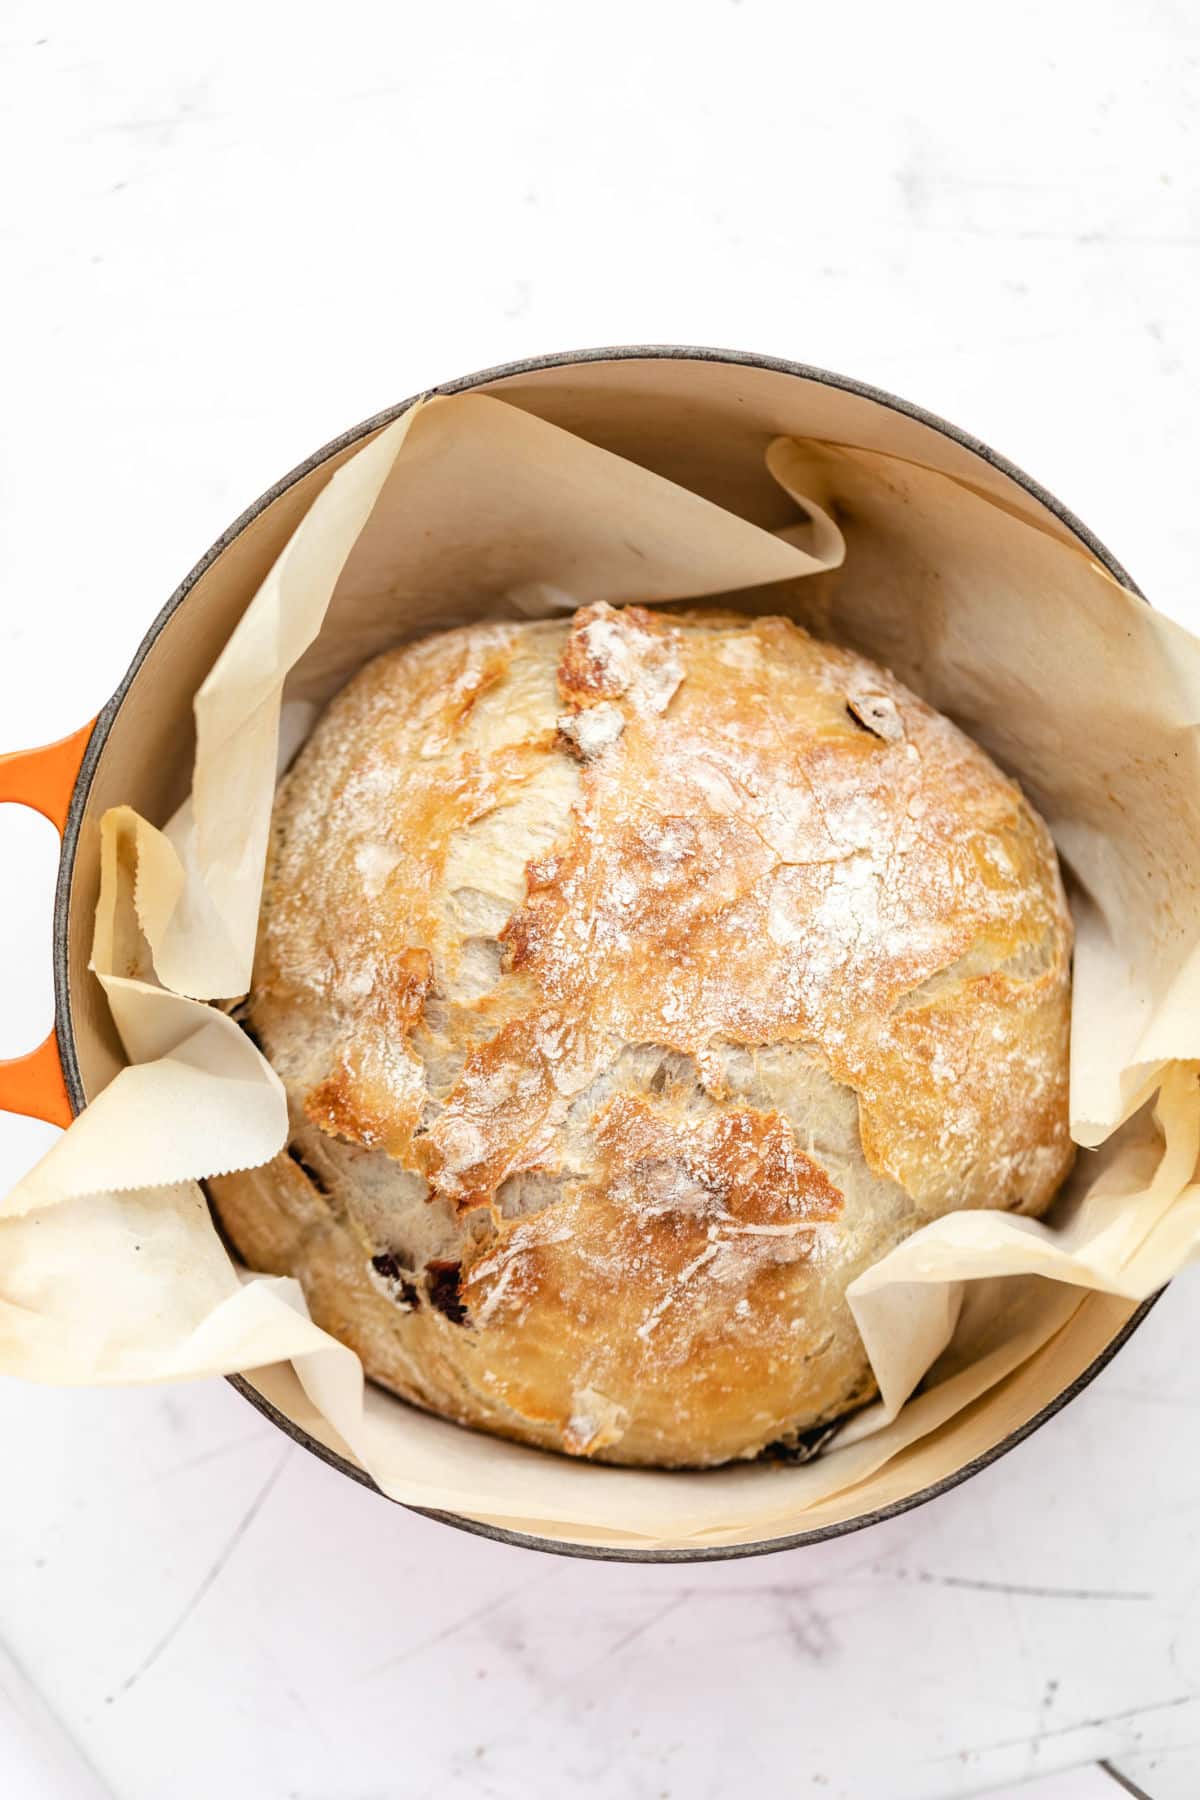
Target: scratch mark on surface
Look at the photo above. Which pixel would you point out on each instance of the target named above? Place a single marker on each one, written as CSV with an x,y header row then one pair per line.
x,y
646,1625
518,1727
231,1543
1040,1729
205,1456
455,1626
1032,1593
1132,1712
808,1628
18,1686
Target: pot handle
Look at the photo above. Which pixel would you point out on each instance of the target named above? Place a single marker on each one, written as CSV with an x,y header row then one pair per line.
x,y
44,780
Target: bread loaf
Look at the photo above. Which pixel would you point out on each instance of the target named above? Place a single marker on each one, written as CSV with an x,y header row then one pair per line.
x,y
637,980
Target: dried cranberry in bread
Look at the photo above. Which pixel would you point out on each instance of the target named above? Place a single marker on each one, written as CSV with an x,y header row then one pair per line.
x,y
636,981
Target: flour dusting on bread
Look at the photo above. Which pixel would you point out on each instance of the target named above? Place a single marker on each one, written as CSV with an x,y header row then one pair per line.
x,y
636,981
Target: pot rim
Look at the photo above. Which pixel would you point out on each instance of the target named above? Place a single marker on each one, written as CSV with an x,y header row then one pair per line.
x,y
64,1026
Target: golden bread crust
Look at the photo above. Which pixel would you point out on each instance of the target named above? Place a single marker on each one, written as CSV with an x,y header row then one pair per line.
x,y
637,980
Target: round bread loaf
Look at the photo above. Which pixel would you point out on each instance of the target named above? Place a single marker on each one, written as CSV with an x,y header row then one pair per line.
x,y
637,980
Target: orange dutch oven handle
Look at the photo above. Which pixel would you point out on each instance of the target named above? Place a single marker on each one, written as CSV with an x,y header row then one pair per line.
x,y
44,780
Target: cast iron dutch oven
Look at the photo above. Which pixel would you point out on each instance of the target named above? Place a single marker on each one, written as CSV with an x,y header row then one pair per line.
x,y
702,417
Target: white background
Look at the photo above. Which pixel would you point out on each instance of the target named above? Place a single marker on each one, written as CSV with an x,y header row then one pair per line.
x,y
226,233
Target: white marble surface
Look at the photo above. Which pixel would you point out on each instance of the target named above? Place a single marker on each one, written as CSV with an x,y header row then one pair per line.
x,y
226,233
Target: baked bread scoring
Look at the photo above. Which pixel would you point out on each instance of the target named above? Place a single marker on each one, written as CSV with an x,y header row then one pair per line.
x,y
637,981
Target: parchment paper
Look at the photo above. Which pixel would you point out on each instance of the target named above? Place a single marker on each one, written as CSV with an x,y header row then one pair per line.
x,y
110,1267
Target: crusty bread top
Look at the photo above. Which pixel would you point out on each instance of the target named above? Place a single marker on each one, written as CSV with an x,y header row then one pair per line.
x,y
514,859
